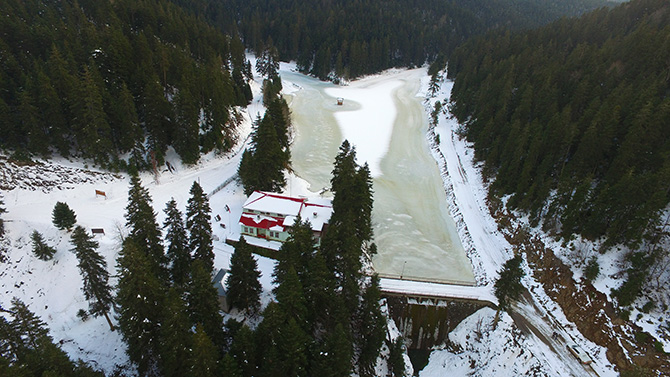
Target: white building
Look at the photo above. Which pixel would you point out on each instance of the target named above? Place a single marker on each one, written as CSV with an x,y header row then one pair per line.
x,y
270,216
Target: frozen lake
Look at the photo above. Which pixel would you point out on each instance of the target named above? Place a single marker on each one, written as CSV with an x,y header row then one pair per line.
x,y
383,117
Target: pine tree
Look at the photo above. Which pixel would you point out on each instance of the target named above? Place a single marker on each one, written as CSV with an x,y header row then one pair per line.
x,y
29,121
244,287
281,116
292,343
177,245
352,187
144,230
267,63
282,344
127,131
140,297
157,115
91,125
175,337
64,84
204,357
40,247
199,226
323,302
229,367
271,158
63,217
291,298
508,287
93,269
186,138
262,168
332,357
371,329
297,251
396,359
243,350
29,350
248,172
50,110
203,303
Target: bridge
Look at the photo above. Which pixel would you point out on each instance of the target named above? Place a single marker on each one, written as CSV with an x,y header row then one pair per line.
x,y
437,291
425,312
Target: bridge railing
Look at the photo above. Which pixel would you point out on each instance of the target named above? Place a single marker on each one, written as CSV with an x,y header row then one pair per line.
x,y
427,280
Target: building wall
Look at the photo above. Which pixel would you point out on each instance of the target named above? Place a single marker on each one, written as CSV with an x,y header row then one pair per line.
x,y
263,233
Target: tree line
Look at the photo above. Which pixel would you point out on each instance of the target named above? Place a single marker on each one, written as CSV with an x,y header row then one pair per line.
x,y
116,81
570,121
347,39
263,164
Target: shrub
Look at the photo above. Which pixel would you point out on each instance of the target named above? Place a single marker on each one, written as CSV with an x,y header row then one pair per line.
x,y
592,269
641,337
658,346
83,314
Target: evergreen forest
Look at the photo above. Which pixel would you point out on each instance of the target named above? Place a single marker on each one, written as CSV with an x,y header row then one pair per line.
x,y
568,118
571,123
119,82
335,39
116,81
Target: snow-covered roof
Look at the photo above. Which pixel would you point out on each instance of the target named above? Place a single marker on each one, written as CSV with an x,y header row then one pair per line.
x,y
219,283
316,210
273,203
317,214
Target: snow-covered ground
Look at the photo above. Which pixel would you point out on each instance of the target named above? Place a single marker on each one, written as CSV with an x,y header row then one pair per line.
x,y
53,289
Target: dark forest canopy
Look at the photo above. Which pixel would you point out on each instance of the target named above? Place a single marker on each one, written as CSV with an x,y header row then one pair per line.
x,y
353,38
118,82
98,79
572,120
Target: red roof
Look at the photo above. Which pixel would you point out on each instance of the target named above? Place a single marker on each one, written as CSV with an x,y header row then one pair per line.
x,y
262,222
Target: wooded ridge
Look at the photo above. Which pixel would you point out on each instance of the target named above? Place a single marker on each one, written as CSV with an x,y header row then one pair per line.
x,y
100,80
570,122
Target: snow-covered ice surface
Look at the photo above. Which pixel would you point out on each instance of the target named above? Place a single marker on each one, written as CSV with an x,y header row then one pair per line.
x,y
383,117
371,123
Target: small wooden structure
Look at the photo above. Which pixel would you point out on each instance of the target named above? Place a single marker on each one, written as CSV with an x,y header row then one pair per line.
x,y
340,101
98,231
100,193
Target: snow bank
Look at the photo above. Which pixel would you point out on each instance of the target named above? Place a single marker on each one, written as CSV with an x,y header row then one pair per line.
x,y
481,347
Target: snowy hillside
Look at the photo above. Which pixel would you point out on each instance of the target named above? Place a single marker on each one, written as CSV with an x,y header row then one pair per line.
x,y
479,346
